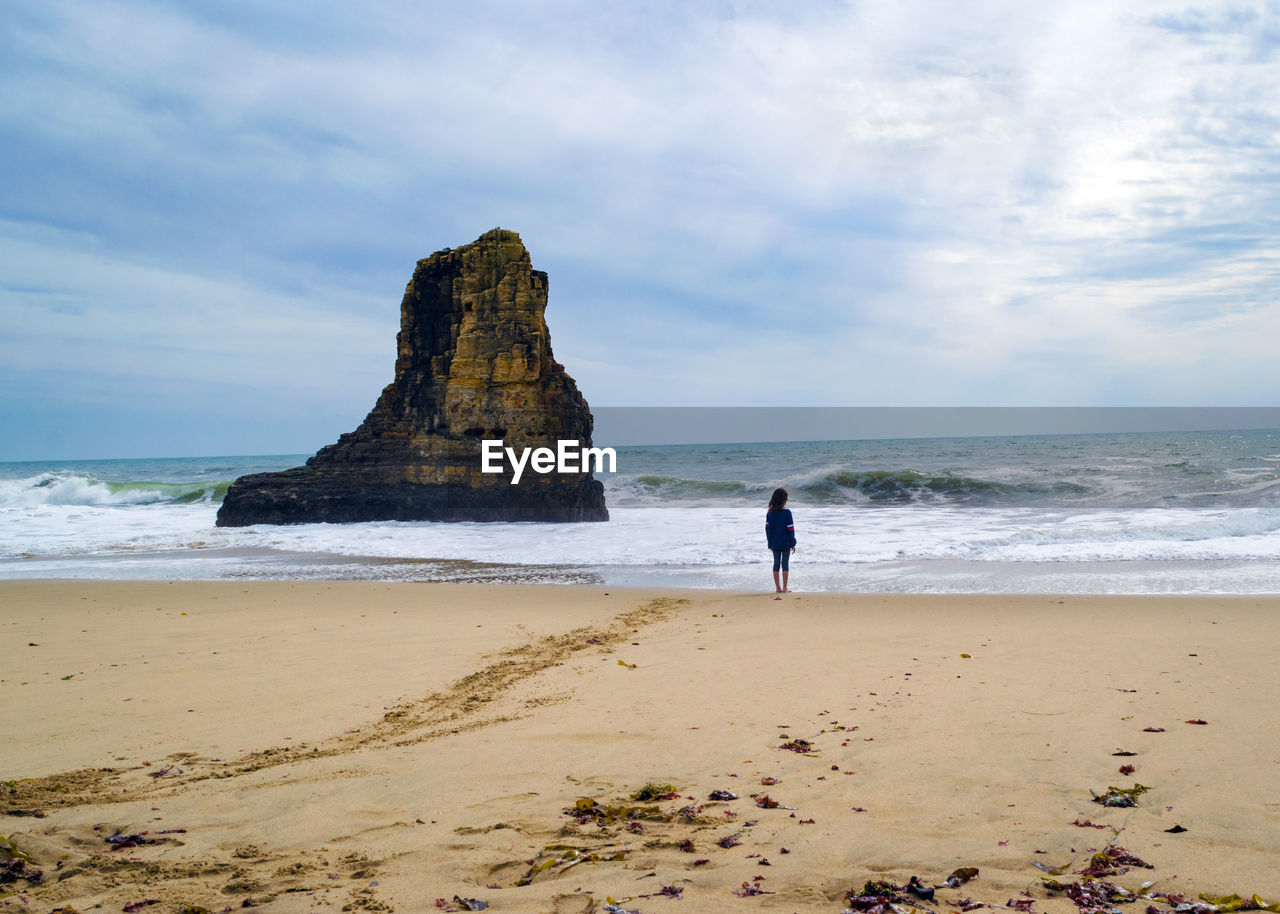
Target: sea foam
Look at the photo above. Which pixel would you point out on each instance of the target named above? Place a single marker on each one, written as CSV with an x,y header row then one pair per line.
x,y
1144,513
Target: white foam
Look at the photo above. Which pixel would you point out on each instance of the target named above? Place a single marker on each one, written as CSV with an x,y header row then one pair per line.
x,y
844,547
84,530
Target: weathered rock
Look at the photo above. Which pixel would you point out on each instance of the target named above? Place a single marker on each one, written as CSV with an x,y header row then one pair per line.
x,y
474,362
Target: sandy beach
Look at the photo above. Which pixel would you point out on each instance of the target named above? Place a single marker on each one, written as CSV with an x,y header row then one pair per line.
x,y
353,746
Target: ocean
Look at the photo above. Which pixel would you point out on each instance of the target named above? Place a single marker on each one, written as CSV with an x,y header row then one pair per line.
x,y
1174,512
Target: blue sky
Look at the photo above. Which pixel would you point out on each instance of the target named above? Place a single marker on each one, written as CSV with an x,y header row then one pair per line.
x,y
210,209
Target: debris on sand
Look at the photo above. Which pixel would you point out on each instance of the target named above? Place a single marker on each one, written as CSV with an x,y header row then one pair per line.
x,y
557,858
750,888
767,802
801,746
1113,860
18,869
588,809
651,791
1120,796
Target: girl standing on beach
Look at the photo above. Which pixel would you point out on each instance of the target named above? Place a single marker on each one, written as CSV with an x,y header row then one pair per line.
x,y
780,531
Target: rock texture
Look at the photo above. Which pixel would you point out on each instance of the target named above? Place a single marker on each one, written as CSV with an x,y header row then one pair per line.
x,y
473,362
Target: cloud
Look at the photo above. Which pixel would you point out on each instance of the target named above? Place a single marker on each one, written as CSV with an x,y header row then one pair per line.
x,y
93,343
917,203
74,308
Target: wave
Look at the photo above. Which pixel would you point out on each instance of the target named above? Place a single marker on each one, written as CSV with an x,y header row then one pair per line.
x,y
78,489
833,485
909,485
679,487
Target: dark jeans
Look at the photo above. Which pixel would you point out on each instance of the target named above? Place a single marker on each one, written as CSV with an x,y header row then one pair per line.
x,y
782,559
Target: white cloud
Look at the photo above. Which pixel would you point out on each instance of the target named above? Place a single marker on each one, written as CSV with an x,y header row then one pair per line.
x,y
72,307
994,203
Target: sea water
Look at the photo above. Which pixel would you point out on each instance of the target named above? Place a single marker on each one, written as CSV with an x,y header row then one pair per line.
x,y
1177,512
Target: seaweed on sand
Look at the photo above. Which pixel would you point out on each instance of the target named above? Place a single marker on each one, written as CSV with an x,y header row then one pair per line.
x,y
1120,796
1113,860
15,864
875,897
1097,893
588,809
558,858
653,791
801,746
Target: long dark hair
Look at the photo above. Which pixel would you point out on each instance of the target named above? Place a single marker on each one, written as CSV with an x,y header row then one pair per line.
x,y
778,500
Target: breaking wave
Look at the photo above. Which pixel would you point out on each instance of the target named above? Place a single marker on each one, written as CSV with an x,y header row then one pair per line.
x,y
87,490
830,485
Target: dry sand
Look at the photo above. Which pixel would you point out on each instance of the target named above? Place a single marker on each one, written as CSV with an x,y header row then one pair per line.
x,y
325,747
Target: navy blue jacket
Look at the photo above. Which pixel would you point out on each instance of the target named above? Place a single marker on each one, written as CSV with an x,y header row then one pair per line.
x,y
780,529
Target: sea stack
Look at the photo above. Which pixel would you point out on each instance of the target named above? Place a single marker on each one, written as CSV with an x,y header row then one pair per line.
x,y
473,363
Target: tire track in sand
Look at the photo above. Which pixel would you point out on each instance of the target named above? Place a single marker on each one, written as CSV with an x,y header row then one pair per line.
x,y
480,699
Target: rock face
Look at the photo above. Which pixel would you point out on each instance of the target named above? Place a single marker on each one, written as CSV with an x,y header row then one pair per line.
x,y
473,362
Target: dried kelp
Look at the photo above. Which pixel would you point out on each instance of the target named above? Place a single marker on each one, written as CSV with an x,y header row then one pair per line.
x,y
1120,796
10,851
558,858
15,865
652,791
1113,860
883,897
18,869
667,891
688,814
767,802
1051,869
799,745
588,809
1096,893
875,897
1236,903
750,888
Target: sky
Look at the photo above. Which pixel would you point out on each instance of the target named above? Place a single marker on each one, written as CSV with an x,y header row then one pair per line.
x,y
210,209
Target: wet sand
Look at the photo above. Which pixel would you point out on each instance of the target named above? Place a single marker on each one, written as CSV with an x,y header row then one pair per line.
x,y
358,746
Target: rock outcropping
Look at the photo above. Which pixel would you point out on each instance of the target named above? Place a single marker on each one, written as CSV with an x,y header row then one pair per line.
x,y
473,362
